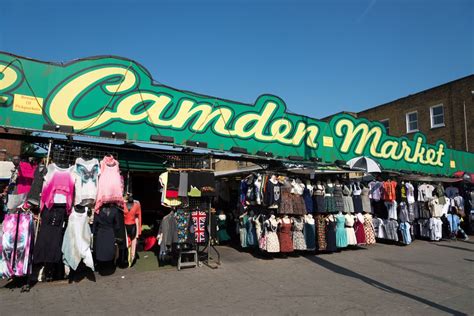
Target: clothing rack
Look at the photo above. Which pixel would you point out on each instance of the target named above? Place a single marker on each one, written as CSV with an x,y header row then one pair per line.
x,y
189,164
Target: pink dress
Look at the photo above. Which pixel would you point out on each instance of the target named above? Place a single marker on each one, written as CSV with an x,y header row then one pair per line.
x,y
110,188
25,177
58,187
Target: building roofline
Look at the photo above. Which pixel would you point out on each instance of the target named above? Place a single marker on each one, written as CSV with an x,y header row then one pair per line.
x,y
340,112
416,93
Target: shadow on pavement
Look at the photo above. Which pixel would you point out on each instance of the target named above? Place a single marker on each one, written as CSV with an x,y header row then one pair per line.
x,y
428,275
346,272
470,260
455,247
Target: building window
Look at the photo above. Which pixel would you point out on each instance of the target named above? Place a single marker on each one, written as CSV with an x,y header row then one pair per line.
x,y
437,116
412,122
386,124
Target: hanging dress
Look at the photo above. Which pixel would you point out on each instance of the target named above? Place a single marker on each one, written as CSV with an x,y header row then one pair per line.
x,y
369,229
110,187
107,225
338,199
318,196
291,203
299,242
329,200
349,226
16,263
284,237
251,233
366,208
341,234
222,234
356,198
308,200
20,184
76,245
347,199
271,238
321,232
56,204
359,229
309,232
243,230
331,245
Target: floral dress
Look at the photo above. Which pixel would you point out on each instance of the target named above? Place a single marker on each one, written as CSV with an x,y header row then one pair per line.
x,y
299,242
369,229
271,238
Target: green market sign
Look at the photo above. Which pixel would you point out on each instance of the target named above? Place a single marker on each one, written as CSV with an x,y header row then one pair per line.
x,y
117,94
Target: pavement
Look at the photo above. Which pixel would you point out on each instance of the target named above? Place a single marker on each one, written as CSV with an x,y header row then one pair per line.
x,y
422,278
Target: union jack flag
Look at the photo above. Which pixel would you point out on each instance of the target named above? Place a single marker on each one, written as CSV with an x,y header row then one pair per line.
x,y
199,221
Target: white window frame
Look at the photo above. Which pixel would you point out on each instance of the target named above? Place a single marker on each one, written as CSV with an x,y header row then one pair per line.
x,y
407,115
433,125
386,120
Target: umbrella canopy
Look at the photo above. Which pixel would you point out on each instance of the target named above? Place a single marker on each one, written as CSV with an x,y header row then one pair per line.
x,y
466,176
364,163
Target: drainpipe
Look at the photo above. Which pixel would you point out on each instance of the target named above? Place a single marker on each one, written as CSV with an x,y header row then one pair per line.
x,y
465,127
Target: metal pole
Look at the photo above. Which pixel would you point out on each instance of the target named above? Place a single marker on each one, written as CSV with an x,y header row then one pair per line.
x,y
49,152
465,127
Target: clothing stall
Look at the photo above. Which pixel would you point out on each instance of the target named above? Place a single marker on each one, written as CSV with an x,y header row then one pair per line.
x,y
74,210
286,211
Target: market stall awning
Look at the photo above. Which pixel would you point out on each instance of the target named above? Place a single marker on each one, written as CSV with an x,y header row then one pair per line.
x,y
414,177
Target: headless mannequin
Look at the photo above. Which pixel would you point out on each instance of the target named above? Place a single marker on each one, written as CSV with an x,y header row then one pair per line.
x,y
133,245
258,185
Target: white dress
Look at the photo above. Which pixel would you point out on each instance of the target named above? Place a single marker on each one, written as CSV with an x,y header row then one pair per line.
x,y
351,237
77,241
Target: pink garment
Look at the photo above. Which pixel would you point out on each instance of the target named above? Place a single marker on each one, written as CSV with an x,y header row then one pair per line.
x,y
15,245
26,173
110,188
61,182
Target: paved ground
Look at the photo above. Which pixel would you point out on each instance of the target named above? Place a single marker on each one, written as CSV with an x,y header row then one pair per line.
x,y
423,278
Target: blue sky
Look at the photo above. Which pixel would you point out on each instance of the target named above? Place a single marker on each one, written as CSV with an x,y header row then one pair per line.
x,y
320,57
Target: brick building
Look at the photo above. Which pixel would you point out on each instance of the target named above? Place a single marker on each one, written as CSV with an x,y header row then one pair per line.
x,y
10,148
443,112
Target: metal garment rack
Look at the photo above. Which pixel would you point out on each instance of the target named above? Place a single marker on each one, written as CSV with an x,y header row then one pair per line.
x,y
195,203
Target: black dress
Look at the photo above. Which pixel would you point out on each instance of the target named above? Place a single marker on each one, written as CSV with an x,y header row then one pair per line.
x,y
331,236
50,236
357,201
107,223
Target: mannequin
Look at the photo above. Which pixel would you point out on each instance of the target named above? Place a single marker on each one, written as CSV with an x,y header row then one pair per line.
x,y
285,219
258,186
309,219
309,186
274,179
133,224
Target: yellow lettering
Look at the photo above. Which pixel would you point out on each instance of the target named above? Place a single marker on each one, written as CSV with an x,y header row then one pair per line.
x,y
362,131
278,133
302,130
59,109
10,76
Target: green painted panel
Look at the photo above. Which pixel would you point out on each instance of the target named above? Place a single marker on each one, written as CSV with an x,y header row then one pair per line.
x,y
118,94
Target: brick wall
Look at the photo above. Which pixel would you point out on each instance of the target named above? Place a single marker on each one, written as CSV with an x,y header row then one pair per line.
x,y
452,95
9,148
